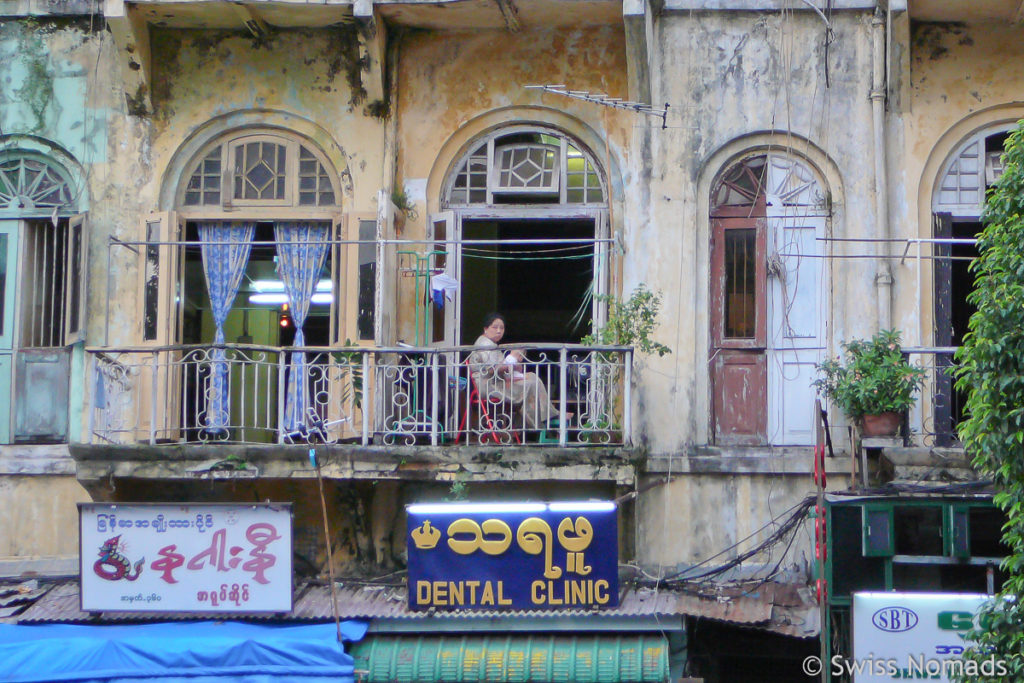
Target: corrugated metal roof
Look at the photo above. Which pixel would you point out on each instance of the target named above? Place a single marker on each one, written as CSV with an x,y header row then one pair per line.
x,y
783,608
567,658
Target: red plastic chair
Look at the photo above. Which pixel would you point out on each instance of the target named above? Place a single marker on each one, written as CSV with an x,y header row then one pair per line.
x,y
484,407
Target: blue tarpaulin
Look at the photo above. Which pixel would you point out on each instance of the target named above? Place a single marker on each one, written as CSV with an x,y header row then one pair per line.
x,y
185,652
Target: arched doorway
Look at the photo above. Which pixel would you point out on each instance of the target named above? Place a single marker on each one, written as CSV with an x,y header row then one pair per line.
x,y
767,300
43,250
254,262
957,204
524,231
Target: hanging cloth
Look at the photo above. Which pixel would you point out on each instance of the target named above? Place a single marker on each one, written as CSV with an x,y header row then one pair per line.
x,y
225,249
301,250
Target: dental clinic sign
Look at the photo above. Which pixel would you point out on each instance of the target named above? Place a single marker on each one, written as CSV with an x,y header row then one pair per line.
x,y
186,558
521,556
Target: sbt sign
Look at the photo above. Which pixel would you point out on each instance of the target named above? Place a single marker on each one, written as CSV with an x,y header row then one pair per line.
x,y
901,636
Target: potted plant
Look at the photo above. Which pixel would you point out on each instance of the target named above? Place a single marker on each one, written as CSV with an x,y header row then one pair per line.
x,y
630,322
872,382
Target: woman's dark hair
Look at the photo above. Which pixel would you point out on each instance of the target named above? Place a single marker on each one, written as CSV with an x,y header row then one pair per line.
x,y
491,317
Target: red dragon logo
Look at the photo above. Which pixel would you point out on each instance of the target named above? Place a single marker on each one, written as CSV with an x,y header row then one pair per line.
x,y
110,557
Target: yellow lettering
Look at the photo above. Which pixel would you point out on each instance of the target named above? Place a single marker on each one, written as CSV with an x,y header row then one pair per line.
x,y
472,585
502,600
552,600
537,592
456,589
487,595
601,591
492,527
575,537
579,592
440,593
464,546
423,592
534,537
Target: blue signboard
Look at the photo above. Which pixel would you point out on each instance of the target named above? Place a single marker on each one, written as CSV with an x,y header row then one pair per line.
x,y
522,556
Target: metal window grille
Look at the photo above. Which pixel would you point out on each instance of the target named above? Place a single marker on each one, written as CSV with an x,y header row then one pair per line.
x,y
27,184
740,283
42,285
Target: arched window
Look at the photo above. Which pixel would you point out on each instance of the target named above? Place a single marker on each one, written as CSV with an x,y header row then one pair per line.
x,y
957,204
31,185
43,248
251,255
526,206
767,310
259,170
526,167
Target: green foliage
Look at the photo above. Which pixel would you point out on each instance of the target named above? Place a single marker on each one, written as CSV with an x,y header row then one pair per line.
x,y
991,369
631,322
402,202
352,361
873,378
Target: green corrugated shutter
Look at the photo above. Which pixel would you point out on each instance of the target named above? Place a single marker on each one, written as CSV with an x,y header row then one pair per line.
x,y
512,659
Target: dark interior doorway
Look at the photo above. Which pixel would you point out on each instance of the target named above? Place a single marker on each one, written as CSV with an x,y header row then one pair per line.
x,y
953,311
544,290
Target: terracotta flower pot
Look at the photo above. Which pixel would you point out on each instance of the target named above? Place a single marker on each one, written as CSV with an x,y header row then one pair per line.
x,y
885,424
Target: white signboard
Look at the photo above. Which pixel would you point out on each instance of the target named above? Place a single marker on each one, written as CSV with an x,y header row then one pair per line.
x,y
901,636
185,558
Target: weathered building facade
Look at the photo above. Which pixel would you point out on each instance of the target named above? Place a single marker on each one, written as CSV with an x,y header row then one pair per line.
x,y
191,189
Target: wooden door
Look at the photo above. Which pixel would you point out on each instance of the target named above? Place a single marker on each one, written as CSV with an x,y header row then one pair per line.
x,y
739,379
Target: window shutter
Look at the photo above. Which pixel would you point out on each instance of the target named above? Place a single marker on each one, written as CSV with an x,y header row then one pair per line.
x,y
76,271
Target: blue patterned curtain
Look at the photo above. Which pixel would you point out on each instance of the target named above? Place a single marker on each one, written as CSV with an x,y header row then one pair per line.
x,y
301,250
226,249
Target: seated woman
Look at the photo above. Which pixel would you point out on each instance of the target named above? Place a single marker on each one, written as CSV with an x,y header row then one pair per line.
x,y
496,374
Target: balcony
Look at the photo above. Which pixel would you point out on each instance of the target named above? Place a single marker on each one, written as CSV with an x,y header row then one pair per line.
x,y
247,394
934,417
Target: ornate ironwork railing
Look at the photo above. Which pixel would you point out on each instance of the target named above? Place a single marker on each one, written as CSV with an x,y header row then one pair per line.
x,y
939,408
397,396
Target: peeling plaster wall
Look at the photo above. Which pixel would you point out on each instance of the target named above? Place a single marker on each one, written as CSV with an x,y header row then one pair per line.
x,y
738,75
454,86
961,78
39,516
735,81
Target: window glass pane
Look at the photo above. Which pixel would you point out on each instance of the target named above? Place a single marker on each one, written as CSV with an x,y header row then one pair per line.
x,y
74,281
740,283
260,171
367,278
3,279
151,288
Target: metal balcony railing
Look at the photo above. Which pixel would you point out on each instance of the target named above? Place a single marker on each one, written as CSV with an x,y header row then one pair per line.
x,y
940,406
398,396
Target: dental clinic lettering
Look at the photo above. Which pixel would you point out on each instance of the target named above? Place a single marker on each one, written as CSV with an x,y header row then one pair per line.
x,y
533,536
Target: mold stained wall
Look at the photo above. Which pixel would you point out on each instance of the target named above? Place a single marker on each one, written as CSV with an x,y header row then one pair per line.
x,y
960,78
732,76
454,86
60,85
206,81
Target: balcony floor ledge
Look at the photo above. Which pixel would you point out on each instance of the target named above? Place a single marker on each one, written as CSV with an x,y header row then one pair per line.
x,y
415,463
